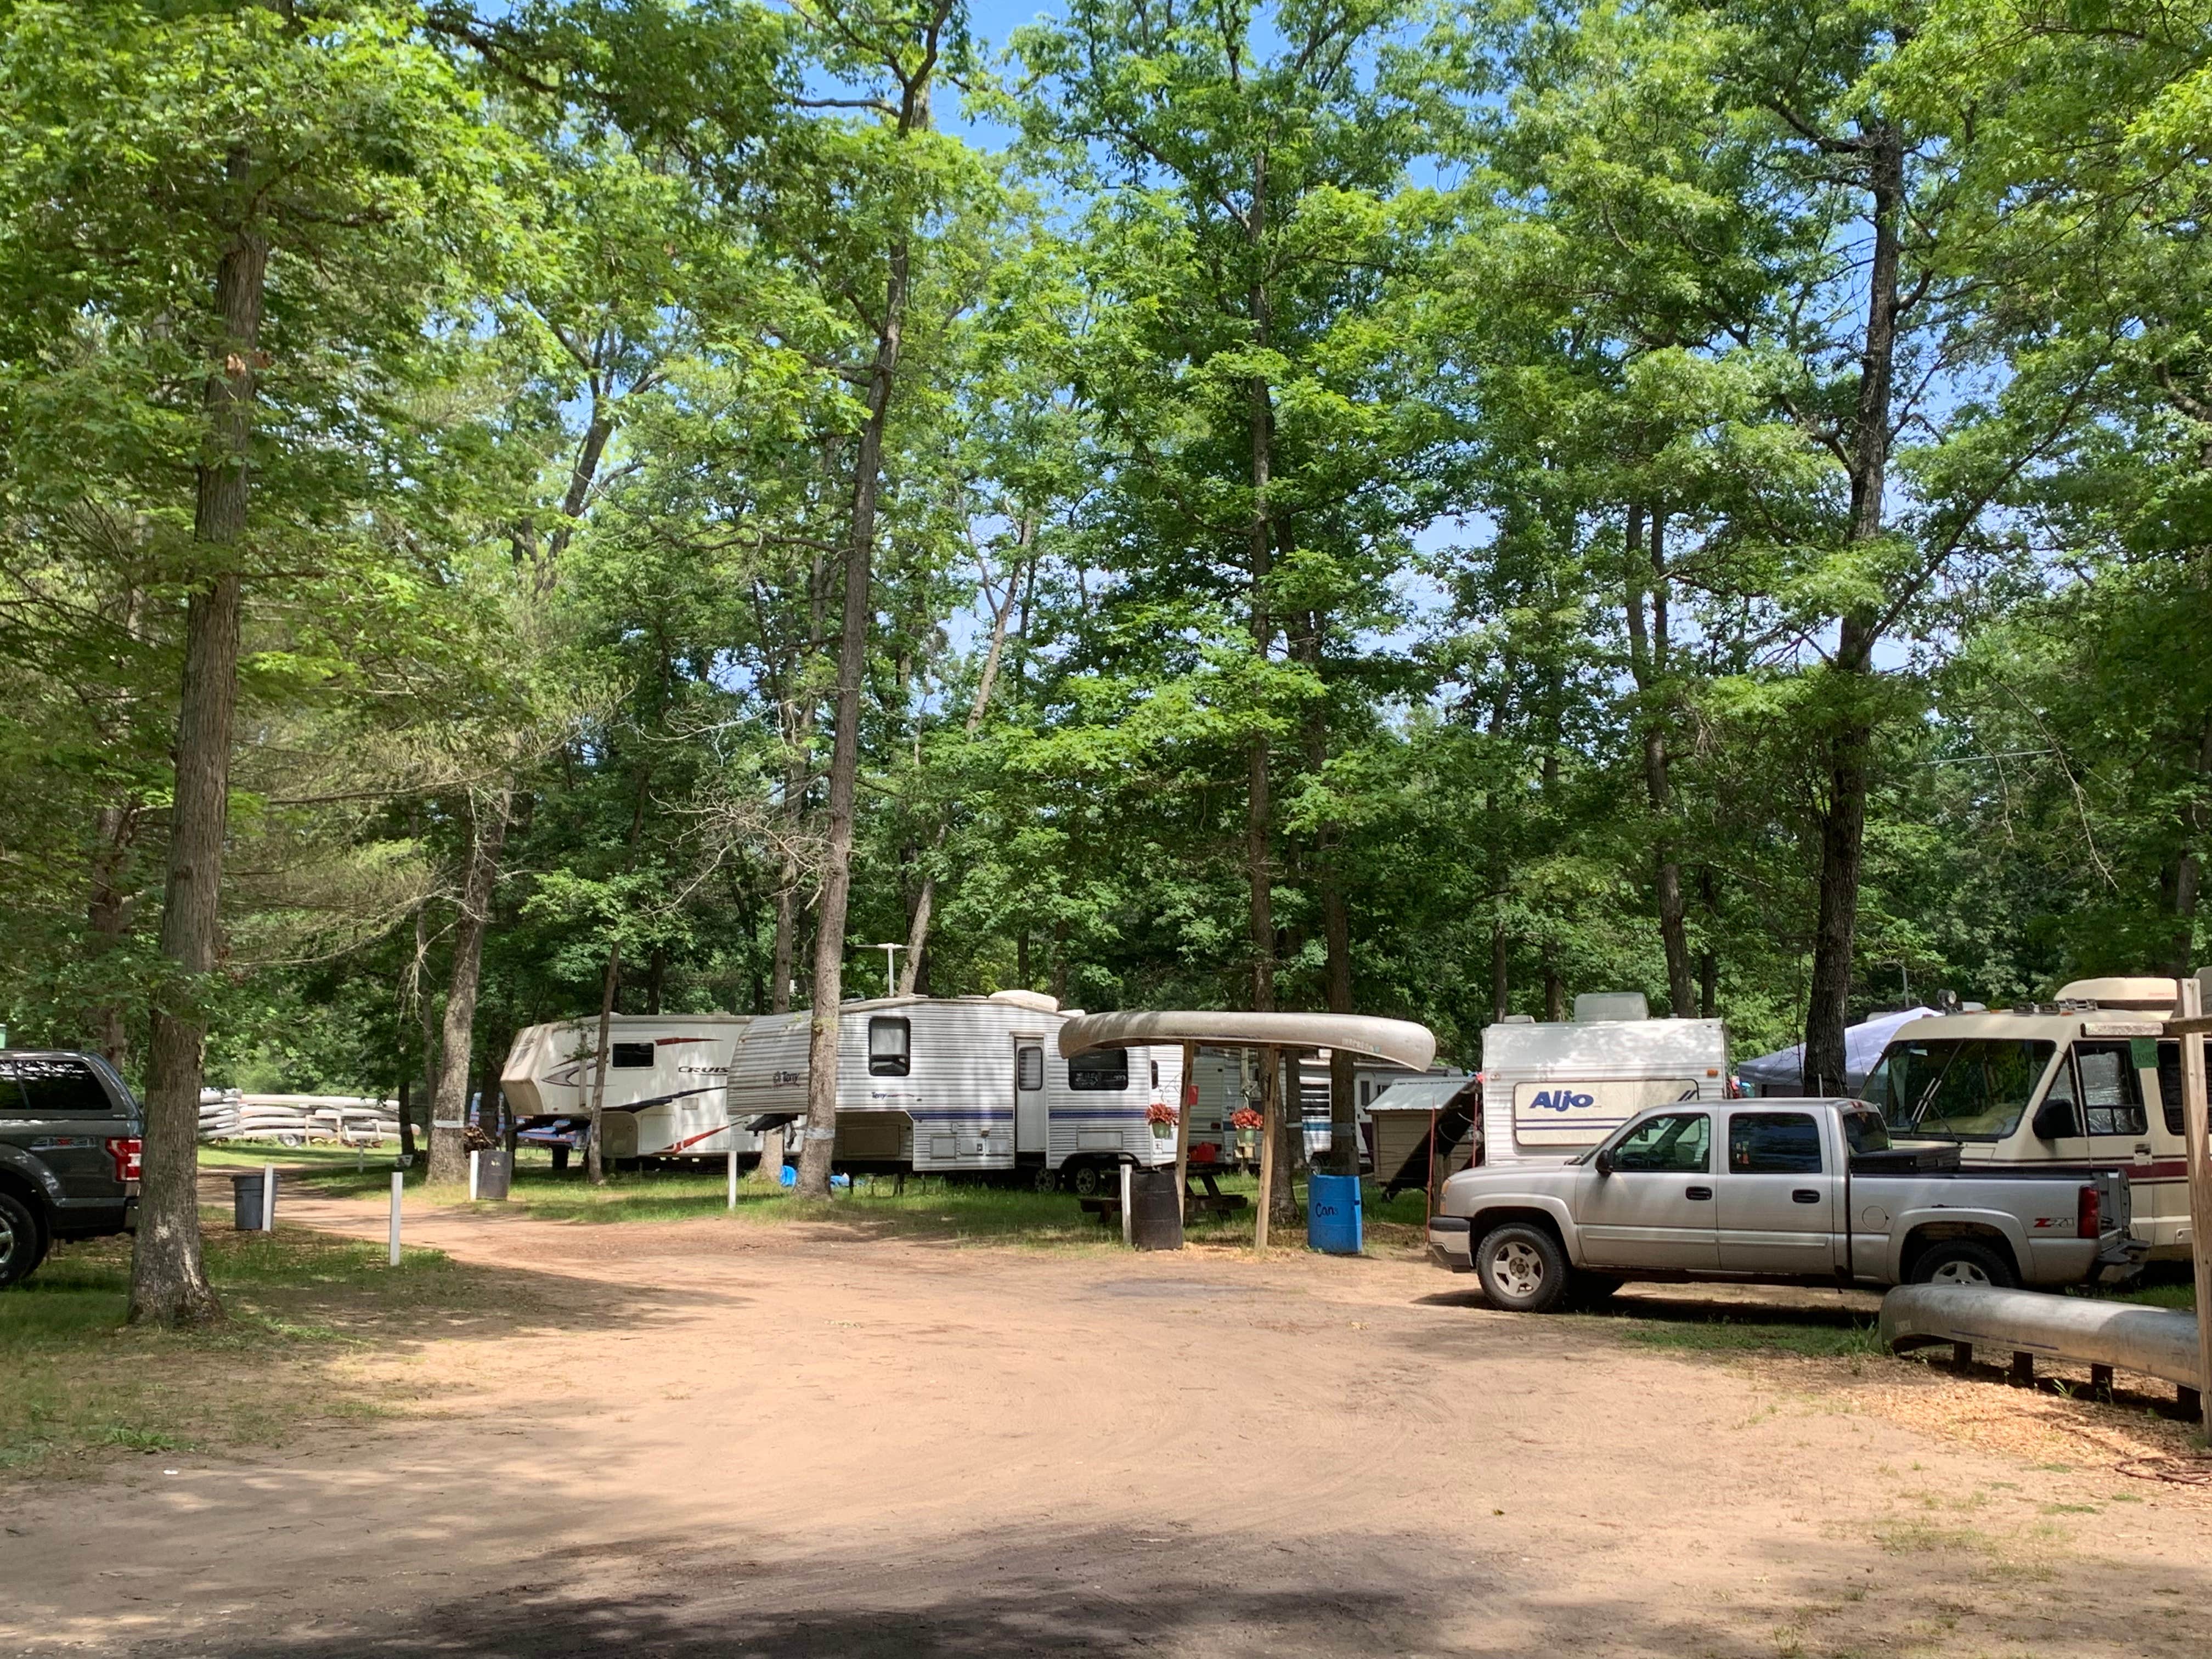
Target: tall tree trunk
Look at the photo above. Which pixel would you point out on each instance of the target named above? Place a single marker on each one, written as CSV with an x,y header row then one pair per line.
x,y
1843,819
1258,805
2187,865
168,1284
1501,999
449,1104
814,1157
595,1160
109,912
1648,651
1709,963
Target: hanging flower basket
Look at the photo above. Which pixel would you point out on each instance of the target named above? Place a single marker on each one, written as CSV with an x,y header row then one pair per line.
x,y
1162,1118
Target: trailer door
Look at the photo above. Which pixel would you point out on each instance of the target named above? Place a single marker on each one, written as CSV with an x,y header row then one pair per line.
x,y
1031,1121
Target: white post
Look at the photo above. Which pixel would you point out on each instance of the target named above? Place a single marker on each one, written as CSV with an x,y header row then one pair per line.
x,y
473,1163
733,1174
399,1184
1128,1226
268,1198
2197,1142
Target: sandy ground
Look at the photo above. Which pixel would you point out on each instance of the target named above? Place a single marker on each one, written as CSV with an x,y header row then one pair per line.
x,y
739,1440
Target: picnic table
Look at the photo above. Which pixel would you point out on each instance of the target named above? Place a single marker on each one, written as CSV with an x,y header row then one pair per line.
x,y
1212,1201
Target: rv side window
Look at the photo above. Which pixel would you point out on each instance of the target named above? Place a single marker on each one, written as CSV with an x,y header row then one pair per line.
x,y
1102,1069
2111,1088
631,1055
1029,1068
1156,1075
2169,1082
890,1046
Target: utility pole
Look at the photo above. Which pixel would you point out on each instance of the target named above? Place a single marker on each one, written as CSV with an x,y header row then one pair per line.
x,y
2191,1025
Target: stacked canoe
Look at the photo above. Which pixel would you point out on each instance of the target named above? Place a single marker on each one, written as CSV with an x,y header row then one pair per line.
x,y
296,1120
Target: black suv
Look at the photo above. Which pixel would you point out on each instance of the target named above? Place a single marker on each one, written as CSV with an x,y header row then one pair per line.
x,y
69,1154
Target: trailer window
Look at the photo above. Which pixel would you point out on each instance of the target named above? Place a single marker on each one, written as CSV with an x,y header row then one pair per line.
x,y
1679,1143
1101,1069
890,1046
2111,1088
1971,1089
1773,1143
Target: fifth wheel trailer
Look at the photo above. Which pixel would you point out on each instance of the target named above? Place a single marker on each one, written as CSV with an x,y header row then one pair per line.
x,y
932,1084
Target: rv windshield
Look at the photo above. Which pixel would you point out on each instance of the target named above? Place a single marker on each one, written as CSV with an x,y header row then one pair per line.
x,y
1969,1089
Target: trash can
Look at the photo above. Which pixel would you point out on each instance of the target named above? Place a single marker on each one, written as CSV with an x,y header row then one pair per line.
x,y
245,1202
1332,1214
1155,1216
494,1173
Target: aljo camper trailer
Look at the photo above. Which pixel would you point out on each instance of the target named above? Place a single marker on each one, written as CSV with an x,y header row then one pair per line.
x,y
933,1085
1551,1089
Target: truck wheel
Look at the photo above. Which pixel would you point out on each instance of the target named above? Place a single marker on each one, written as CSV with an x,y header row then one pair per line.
x,y
1962,1261
22,1244
1522,1269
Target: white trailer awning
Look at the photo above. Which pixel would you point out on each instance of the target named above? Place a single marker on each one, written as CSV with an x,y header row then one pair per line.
x,y
1400,1040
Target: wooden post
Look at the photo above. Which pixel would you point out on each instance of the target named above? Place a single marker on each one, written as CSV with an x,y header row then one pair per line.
x,y
1186,1095
2194,1133
1270,1068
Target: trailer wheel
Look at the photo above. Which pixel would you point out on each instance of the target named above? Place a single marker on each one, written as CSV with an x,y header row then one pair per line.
x,y
1962,1261
1048,1181
1084,1178
1522,1269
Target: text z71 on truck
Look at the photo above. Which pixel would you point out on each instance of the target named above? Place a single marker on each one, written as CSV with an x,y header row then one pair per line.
x,y
1788,1191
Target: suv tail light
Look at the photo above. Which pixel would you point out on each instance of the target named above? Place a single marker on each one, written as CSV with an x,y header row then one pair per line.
x,y
2087,1221
125,1150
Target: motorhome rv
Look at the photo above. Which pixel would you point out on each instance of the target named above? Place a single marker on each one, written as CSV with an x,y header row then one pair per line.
x,y
969,1085
1552,1088
2088,1080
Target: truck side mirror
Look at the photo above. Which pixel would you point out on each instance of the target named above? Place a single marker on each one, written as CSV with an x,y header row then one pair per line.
x,y
1604,1160
2054,1120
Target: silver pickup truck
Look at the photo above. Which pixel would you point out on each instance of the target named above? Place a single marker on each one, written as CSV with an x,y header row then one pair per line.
x,y
1791,1191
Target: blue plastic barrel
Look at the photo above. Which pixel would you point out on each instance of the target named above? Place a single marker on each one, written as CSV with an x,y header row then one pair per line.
x,y
1332,1214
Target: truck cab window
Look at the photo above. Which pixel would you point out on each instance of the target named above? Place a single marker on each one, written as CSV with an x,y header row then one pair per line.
x,y
2111,1088
1678,1143
631,1056
1773,1143
57,1085
1101,1069
1964,1088
890,1046
1865,1132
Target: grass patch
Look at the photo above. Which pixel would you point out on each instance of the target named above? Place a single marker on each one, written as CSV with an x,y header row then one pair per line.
x,y
315,1155
77,1383
2180,1295
1815,1335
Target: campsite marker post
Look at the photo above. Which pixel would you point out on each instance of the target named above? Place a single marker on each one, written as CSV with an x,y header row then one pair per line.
x,y
268,1198
473,1165
1128,1226
398,1182
733,1176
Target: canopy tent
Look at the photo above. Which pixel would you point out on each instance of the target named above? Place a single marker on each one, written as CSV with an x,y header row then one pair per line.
x,y
1275,1035
1784,1071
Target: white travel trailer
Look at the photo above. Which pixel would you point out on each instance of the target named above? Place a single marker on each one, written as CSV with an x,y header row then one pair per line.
x,y
933,1085
1551,1089
665,1078
975,1084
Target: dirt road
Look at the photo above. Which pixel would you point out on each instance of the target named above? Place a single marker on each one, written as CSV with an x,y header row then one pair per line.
x,y
756,1441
